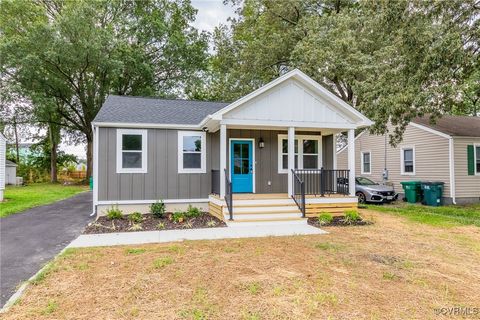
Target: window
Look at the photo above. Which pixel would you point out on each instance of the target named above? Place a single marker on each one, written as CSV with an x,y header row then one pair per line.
x,y
477,159
131,151
408,160
191,152
366,162
307,152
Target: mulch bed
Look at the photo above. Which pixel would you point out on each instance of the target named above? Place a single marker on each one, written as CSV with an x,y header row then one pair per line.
x,y
338,221
151,223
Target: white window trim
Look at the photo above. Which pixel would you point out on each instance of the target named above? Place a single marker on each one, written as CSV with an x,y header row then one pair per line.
x,y
203,153
300,150
143,133
475,146
402,164
362,167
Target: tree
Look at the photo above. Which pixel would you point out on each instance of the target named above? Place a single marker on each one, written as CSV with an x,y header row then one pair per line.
x,y
392,60
77,52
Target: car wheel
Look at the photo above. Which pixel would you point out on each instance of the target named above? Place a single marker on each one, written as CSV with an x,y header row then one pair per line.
x,y
361,197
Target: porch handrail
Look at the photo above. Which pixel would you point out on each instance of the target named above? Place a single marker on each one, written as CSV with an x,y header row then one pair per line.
x,y
324,181
298,192
228,195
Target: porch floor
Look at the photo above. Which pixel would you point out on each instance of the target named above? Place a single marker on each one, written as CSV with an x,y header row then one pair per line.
x,y
259,196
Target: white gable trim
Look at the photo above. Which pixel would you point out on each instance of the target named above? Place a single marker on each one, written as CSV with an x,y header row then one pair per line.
x,y
361,120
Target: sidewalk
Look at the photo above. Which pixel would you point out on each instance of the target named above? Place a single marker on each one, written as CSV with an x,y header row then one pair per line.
x,y
257,231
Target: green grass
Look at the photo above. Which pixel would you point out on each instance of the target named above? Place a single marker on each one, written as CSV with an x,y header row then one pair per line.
x,y
18,199
438,216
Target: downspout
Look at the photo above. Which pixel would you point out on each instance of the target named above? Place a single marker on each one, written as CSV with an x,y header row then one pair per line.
x,y
95,170
452,169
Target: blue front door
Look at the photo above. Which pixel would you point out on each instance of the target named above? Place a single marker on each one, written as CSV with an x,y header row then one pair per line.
x,y
241,164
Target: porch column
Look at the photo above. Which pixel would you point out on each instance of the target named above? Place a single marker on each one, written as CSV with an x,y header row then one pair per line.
x,y
291,158
351,161
223,158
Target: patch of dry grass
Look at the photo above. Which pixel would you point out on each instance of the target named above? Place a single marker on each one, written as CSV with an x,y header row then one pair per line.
x,y
394,269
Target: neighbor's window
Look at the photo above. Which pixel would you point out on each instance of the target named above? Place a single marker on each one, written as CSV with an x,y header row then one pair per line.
x,y
131,151
366,162
307,152
191,152
477,157
408,161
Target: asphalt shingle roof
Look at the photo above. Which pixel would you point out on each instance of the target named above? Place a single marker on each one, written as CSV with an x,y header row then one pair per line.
x,y
462,126
128,109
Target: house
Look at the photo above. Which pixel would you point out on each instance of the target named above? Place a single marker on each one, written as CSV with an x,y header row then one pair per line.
x,y
10,172
3,154
447,151
257,158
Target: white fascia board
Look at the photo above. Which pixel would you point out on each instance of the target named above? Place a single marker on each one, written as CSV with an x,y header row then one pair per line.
x,y
438,133
146,125
285,124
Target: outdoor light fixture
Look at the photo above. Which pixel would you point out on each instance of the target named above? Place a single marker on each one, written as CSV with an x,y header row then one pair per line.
x,y
261,143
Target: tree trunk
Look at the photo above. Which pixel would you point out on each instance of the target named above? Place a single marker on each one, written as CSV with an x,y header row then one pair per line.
x,y
89,156
53,156
17,158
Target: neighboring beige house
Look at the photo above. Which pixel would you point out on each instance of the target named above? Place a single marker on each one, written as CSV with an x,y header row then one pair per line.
x,y
447,151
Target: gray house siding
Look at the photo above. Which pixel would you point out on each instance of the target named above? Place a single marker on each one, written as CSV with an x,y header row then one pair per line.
x,y
162,180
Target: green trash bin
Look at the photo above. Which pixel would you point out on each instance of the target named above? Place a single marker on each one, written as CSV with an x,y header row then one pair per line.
x,y
432,193
412,190
91,183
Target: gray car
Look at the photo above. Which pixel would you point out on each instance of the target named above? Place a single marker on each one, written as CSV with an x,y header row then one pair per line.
x,y
369,191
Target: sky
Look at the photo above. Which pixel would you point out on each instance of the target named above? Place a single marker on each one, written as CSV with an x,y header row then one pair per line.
x,y
210,14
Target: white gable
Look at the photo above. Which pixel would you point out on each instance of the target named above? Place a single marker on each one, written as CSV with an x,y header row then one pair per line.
x,y
289,101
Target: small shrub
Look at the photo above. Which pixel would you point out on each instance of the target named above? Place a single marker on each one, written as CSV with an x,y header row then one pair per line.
x,y
179,216
351,216
211,223
135,217
162,262
158,209
136,227
161,225
193,212
325,218
114,213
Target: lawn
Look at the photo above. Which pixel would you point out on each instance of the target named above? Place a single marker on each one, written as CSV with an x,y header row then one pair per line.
x,y
18,199
393,269
439,216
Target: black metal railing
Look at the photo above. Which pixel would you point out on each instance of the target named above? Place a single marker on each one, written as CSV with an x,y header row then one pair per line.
x,y
228,195
299,192
215,181
323,181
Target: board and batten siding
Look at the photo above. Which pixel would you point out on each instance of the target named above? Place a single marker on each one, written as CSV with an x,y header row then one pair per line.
x,y
162,180
465,186
431,157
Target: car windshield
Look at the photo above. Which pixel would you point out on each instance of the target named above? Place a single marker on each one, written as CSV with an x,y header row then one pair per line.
x,y
365,182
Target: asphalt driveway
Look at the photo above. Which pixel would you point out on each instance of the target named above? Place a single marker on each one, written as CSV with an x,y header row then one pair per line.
x,y
30,239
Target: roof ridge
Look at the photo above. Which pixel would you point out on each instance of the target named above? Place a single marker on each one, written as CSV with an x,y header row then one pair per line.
x,y
165,99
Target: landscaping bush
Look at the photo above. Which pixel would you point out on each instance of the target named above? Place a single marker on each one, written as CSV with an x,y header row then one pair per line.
x,y
193,212
158,209
179,216
352,216
325,218
114,213
135,217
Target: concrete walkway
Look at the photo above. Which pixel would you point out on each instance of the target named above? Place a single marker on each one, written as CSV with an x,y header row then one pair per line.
x,y
31,238
257,231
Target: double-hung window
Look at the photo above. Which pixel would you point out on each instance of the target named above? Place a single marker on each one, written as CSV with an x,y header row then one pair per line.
x,y
366,162
408,160
477,159
131,151
307,152
191,152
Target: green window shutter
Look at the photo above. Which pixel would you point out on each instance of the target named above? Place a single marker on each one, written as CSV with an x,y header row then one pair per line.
x,y
471,160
